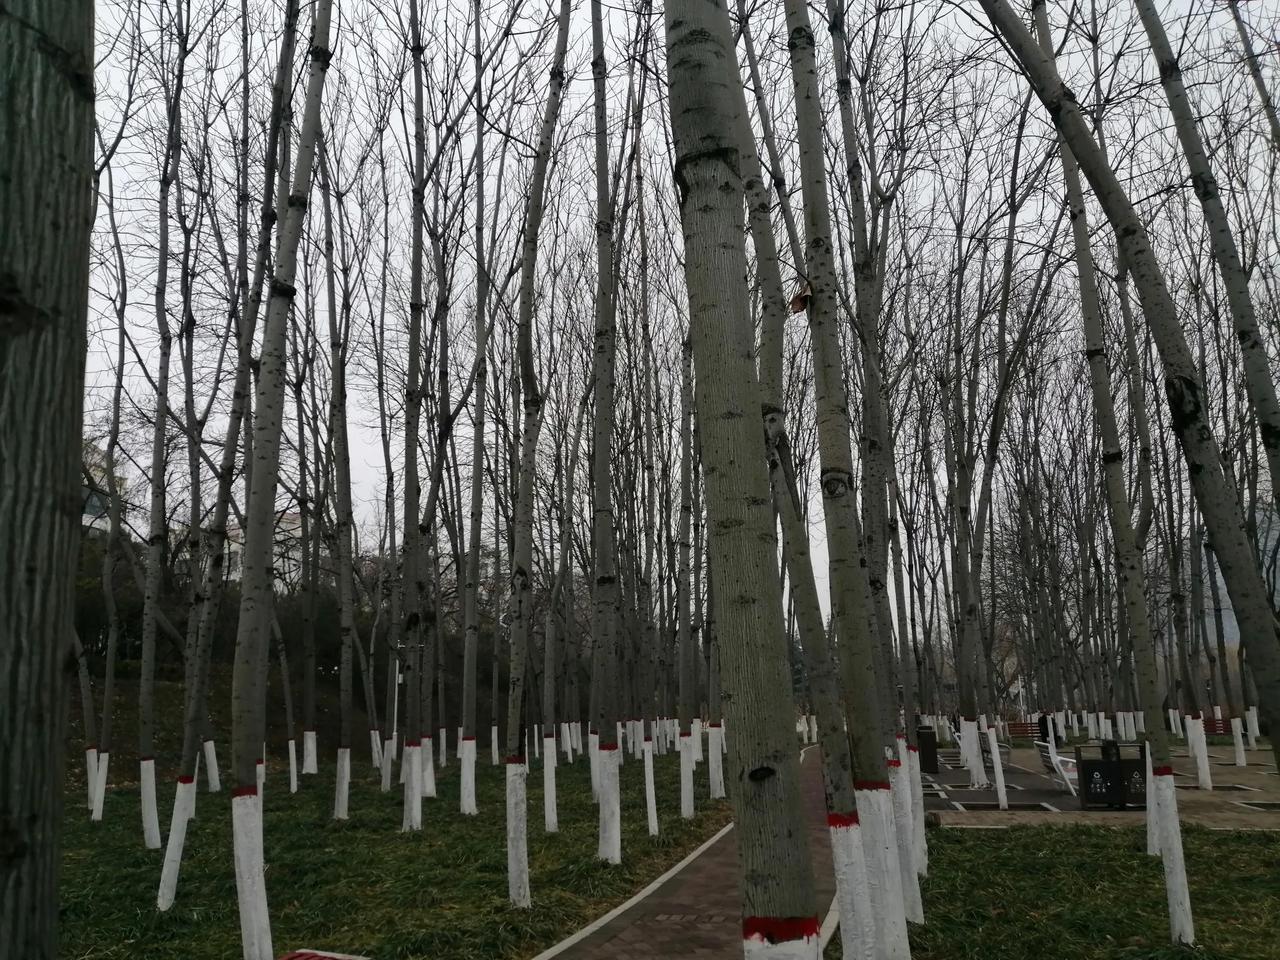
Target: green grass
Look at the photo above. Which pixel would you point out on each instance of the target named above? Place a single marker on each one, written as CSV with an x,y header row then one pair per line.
x,y
362,886
1092,893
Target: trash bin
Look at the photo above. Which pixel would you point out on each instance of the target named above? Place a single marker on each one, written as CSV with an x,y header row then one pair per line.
x,y
1112,775
927,744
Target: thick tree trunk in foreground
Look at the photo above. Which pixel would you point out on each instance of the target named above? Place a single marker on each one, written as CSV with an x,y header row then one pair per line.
x,y
46,206
779,915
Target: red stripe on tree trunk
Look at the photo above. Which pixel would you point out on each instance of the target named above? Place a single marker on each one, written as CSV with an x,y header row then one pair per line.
x,y
871,784
245,792
1162,771
893,763
608,746
779,929
186,779
514,759
468,739
842,819
146,759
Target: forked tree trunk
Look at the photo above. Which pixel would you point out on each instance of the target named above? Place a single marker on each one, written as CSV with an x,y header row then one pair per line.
x,y
851,600
46,206
779,910
256,587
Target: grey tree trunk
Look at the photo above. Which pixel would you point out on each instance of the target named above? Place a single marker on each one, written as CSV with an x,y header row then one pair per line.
x,y
46,206
763,768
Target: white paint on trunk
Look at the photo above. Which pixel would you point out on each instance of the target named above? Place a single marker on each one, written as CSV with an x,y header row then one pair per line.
x,y
467,802
293,767
375,749
997,768
884,876
1199,748
342,785
517,835
1091,723
1140,722
388,757
309,751
566,742
593,756
971,753
100,785
920,847
90,773
1175,724
150,816
251,885
1217,712
813,728
428,768
577,735
213,780
686,776
550,820
715,761
537,740
1181,925
442,737
762,946
411,768
853,892
1237,737
1251,724
696,731
493,744
1153,819
900,799
650,795
1075,725
184,801
610,845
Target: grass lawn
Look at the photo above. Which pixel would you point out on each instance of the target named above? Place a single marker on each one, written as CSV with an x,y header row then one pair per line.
x,y
1092,893
362,886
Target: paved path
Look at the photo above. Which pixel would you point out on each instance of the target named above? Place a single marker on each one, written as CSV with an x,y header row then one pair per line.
x,y
697,911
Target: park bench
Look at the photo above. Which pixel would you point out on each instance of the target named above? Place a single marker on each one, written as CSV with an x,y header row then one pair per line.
x,y
985,742
1022,730
1216,728
1057,766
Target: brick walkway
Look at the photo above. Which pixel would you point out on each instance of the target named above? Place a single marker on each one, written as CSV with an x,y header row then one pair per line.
x,y
697,912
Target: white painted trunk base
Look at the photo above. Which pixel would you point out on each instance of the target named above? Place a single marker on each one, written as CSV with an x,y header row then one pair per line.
x,y
1075,725
428,768
550,820
813,728
184,801
342,784
1251,724
442,738
388,757
1217,712
610,841
696,731
764,938
90,773
853,891
293,767
715,761
411,767
650,795
686,776
150,816
467,799
1107,732
971,754
1140,722
100,785
1199,749
375,749
517,835
1152,820
576,729
251,885
997,768
1181,925
593,756
1091,725
884,876
900,798
1175,722
1237,737
566,742
309,751
493,744
213,780
920,848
